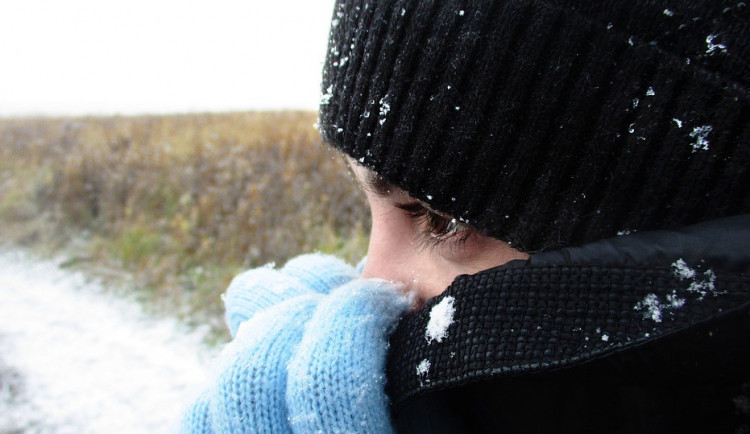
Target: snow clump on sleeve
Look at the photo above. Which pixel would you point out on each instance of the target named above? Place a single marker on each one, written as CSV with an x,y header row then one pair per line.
x,y
441,317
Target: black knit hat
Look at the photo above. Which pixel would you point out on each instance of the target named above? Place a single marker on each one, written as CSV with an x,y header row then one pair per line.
x,y
548,123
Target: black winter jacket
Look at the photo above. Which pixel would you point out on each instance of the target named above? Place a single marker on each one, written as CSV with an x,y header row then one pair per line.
x,y
641,333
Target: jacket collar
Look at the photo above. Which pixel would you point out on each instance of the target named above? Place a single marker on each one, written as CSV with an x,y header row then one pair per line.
x,y
567,307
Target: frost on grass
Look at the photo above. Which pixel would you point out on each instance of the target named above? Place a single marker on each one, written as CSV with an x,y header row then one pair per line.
x,y
441,317
700,134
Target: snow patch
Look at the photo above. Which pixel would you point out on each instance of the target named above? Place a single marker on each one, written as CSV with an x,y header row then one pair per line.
x,y
336,21
703,287
712,48
441,317
87,360
700,135
423,369
326,97
385,107
653,307
681,270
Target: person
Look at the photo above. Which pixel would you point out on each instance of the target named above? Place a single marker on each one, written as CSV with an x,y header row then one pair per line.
x,y
560,187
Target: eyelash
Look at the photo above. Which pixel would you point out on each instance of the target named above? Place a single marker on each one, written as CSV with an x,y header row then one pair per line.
x,y
440,228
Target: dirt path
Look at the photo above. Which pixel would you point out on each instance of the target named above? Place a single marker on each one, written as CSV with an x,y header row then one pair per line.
x,y
74,359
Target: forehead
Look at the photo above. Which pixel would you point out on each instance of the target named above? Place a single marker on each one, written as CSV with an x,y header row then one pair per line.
x,y
372,182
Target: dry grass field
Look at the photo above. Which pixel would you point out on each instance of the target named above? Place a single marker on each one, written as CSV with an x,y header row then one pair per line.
x,y
182,202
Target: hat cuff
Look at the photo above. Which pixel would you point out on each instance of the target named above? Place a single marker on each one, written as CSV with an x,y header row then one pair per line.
x,y
553,129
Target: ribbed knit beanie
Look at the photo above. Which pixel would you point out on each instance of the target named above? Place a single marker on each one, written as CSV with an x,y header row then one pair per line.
x,y
547,123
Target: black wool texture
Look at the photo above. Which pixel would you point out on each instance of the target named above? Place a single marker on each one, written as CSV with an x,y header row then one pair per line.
x,y
547,123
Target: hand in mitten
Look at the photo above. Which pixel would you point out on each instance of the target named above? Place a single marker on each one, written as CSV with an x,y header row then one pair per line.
x,y
336,379
260,288
248,392
313,360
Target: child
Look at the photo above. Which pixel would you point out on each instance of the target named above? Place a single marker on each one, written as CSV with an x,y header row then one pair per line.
x,y
561,187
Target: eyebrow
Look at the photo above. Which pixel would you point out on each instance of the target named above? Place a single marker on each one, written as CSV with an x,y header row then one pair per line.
x,y
377,184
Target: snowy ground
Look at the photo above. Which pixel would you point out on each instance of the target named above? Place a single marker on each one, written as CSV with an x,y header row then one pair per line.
x,y
74,359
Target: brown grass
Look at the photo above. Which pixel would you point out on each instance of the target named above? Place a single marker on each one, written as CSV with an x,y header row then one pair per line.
x,y
181,202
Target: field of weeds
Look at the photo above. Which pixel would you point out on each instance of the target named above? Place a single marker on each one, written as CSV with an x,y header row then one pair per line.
x,y
180,203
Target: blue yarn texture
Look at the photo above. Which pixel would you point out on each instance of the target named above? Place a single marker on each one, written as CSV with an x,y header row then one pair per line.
x,y
308,352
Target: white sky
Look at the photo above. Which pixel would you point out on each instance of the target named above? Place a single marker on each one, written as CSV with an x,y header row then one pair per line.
x,y
160,56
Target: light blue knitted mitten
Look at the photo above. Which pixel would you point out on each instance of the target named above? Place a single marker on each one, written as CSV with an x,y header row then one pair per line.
x,y
308,357
342,357
260,288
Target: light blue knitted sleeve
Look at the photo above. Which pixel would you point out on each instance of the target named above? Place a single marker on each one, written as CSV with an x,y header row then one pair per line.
x,y
309,357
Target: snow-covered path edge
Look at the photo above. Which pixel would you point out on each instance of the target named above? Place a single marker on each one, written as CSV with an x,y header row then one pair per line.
x,y
75,358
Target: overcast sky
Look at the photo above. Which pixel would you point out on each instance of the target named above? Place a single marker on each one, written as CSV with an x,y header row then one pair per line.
x,y
160,56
